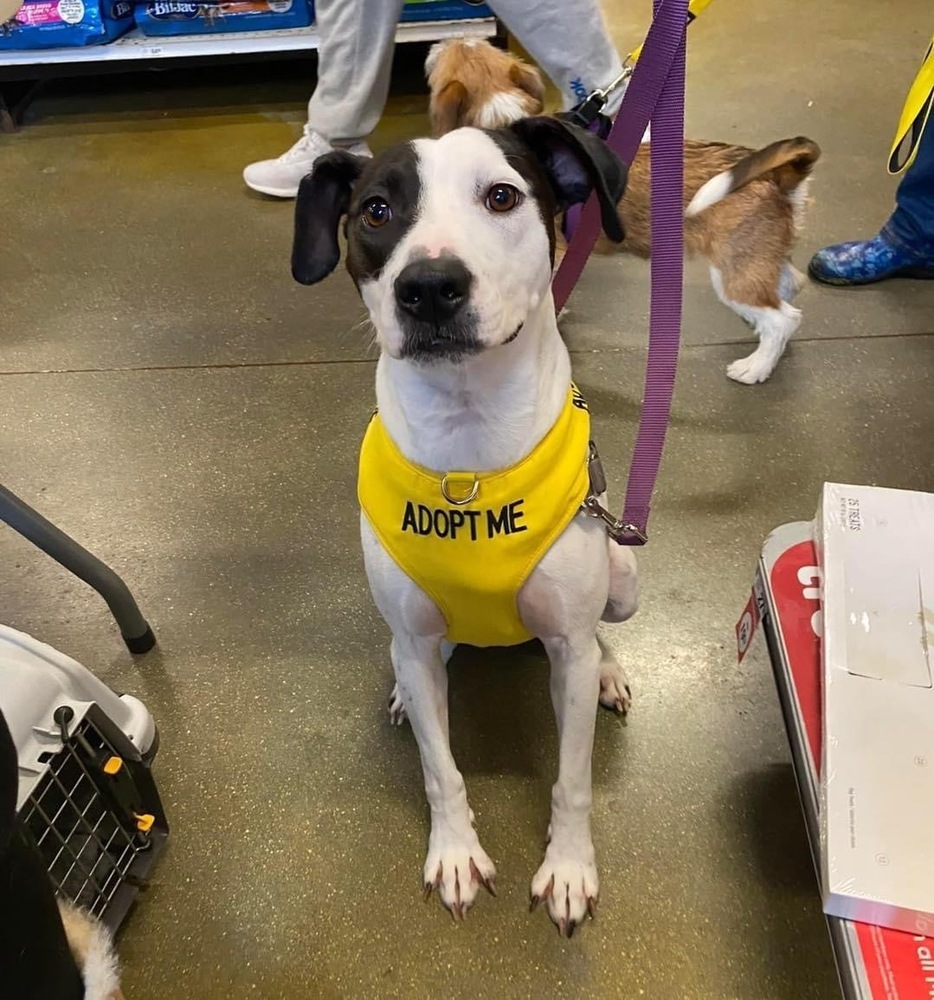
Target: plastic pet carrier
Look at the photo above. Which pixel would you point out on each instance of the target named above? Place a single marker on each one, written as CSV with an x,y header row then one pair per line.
x,y
86,798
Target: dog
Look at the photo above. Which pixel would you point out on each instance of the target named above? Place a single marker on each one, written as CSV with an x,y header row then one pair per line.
x,y
743,207
451,245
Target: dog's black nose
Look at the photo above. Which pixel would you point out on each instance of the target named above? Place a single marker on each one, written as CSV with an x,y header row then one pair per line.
x,y
433,290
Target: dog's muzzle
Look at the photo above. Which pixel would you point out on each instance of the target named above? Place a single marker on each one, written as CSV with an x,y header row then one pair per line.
x,y
425,342
431,296
433,291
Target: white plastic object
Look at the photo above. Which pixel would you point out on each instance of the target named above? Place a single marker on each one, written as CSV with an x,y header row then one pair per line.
x,y
35,680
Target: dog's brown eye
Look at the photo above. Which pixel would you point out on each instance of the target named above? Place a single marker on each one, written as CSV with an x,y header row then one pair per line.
x,y
502,198
376,213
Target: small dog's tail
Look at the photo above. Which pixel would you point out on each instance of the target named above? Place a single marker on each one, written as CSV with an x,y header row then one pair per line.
x,y
789,161
93,949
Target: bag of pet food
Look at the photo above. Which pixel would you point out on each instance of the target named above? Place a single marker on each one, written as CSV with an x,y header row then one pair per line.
x,y
158,18
444,10
52,24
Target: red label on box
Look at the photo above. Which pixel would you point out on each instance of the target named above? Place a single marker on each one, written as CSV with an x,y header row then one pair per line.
x,y
795,583
898,966
746,626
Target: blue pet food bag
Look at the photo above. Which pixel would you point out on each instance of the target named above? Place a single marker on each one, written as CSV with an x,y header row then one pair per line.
x,y
159,18
52,24
444,10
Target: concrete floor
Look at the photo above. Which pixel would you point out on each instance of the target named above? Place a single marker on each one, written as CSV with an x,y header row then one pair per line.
x,y
178,404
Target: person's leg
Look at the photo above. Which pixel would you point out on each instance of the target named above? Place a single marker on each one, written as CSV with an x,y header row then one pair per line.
x,y
912,222
570,41
354,66
904,247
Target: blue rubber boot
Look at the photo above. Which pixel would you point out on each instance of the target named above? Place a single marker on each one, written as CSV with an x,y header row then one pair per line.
x,y
864,261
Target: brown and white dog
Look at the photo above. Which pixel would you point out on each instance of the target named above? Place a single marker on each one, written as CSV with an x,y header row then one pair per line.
x,y
743,207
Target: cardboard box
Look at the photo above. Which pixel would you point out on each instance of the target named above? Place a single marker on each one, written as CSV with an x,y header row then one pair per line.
x,y
876,552
874,963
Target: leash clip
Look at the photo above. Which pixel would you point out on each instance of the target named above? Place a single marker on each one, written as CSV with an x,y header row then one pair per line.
x,y
622,532
624,74
588,112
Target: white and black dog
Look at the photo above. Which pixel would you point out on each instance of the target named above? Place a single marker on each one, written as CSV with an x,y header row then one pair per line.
x,y
451,244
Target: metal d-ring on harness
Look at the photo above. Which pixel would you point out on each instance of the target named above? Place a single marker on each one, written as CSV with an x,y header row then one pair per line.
x,y
460,501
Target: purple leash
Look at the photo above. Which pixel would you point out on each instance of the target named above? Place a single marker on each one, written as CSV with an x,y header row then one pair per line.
x,y
656,94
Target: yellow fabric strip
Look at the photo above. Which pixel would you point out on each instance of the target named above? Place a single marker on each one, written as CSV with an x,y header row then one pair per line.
x,y
695,8
914,117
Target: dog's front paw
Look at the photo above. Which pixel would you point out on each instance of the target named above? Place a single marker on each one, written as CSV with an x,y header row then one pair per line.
x,y
615,693
749,370
569,887
456,868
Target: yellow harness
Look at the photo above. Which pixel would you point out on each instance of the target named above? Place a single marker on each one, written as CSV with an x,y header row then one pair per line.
x,y
471,540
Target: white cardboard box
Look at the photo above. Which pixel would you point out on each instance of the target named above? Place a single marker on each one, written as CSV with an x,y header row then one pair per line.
x,y
876,550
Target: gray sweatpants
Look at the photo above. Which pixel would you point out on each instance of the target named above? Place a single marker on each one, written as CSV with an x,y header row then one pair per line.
x,y
567,38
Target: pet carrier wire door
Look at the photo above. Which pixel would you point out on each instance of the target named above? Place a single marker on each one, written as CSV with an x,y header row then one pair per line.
x,y
86,796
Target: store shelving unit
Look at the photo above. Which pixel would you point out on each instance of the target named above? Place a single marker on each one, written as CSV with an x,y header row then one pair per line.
x,y
135,51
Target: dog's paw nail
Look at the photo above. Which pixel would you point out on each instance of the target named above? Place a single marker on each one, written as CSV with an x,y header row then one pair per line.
x,y
562,928
572,926
428,888
533,903
591,907
479,877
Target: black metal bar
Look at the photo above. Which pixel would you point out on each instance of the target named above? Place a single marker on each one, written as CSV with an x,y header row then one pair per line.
x,y
134,628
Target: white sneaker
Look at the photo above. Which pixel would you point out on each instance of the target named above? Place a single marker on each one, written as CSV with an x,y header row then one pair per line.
x,y
281,177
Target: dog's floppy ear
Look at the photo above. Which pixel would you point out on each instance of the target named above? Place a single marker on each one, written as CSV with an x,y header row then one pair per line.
x,y
446,111
577,162
323,197
529,79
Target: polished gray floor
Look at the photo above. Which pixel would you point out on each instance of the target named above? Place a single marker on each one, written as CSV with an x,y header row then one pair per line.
x,y
173,400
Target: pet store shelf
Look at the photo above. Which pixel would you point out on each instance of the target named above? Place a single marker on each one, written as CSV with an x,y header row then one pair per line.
x,y
135,46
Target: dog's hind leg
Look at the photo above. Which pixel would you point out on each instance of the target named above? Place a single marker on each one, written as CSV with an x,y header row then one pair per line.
x,y
623,598
615,693
396,705
790,283
774,328
774,320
